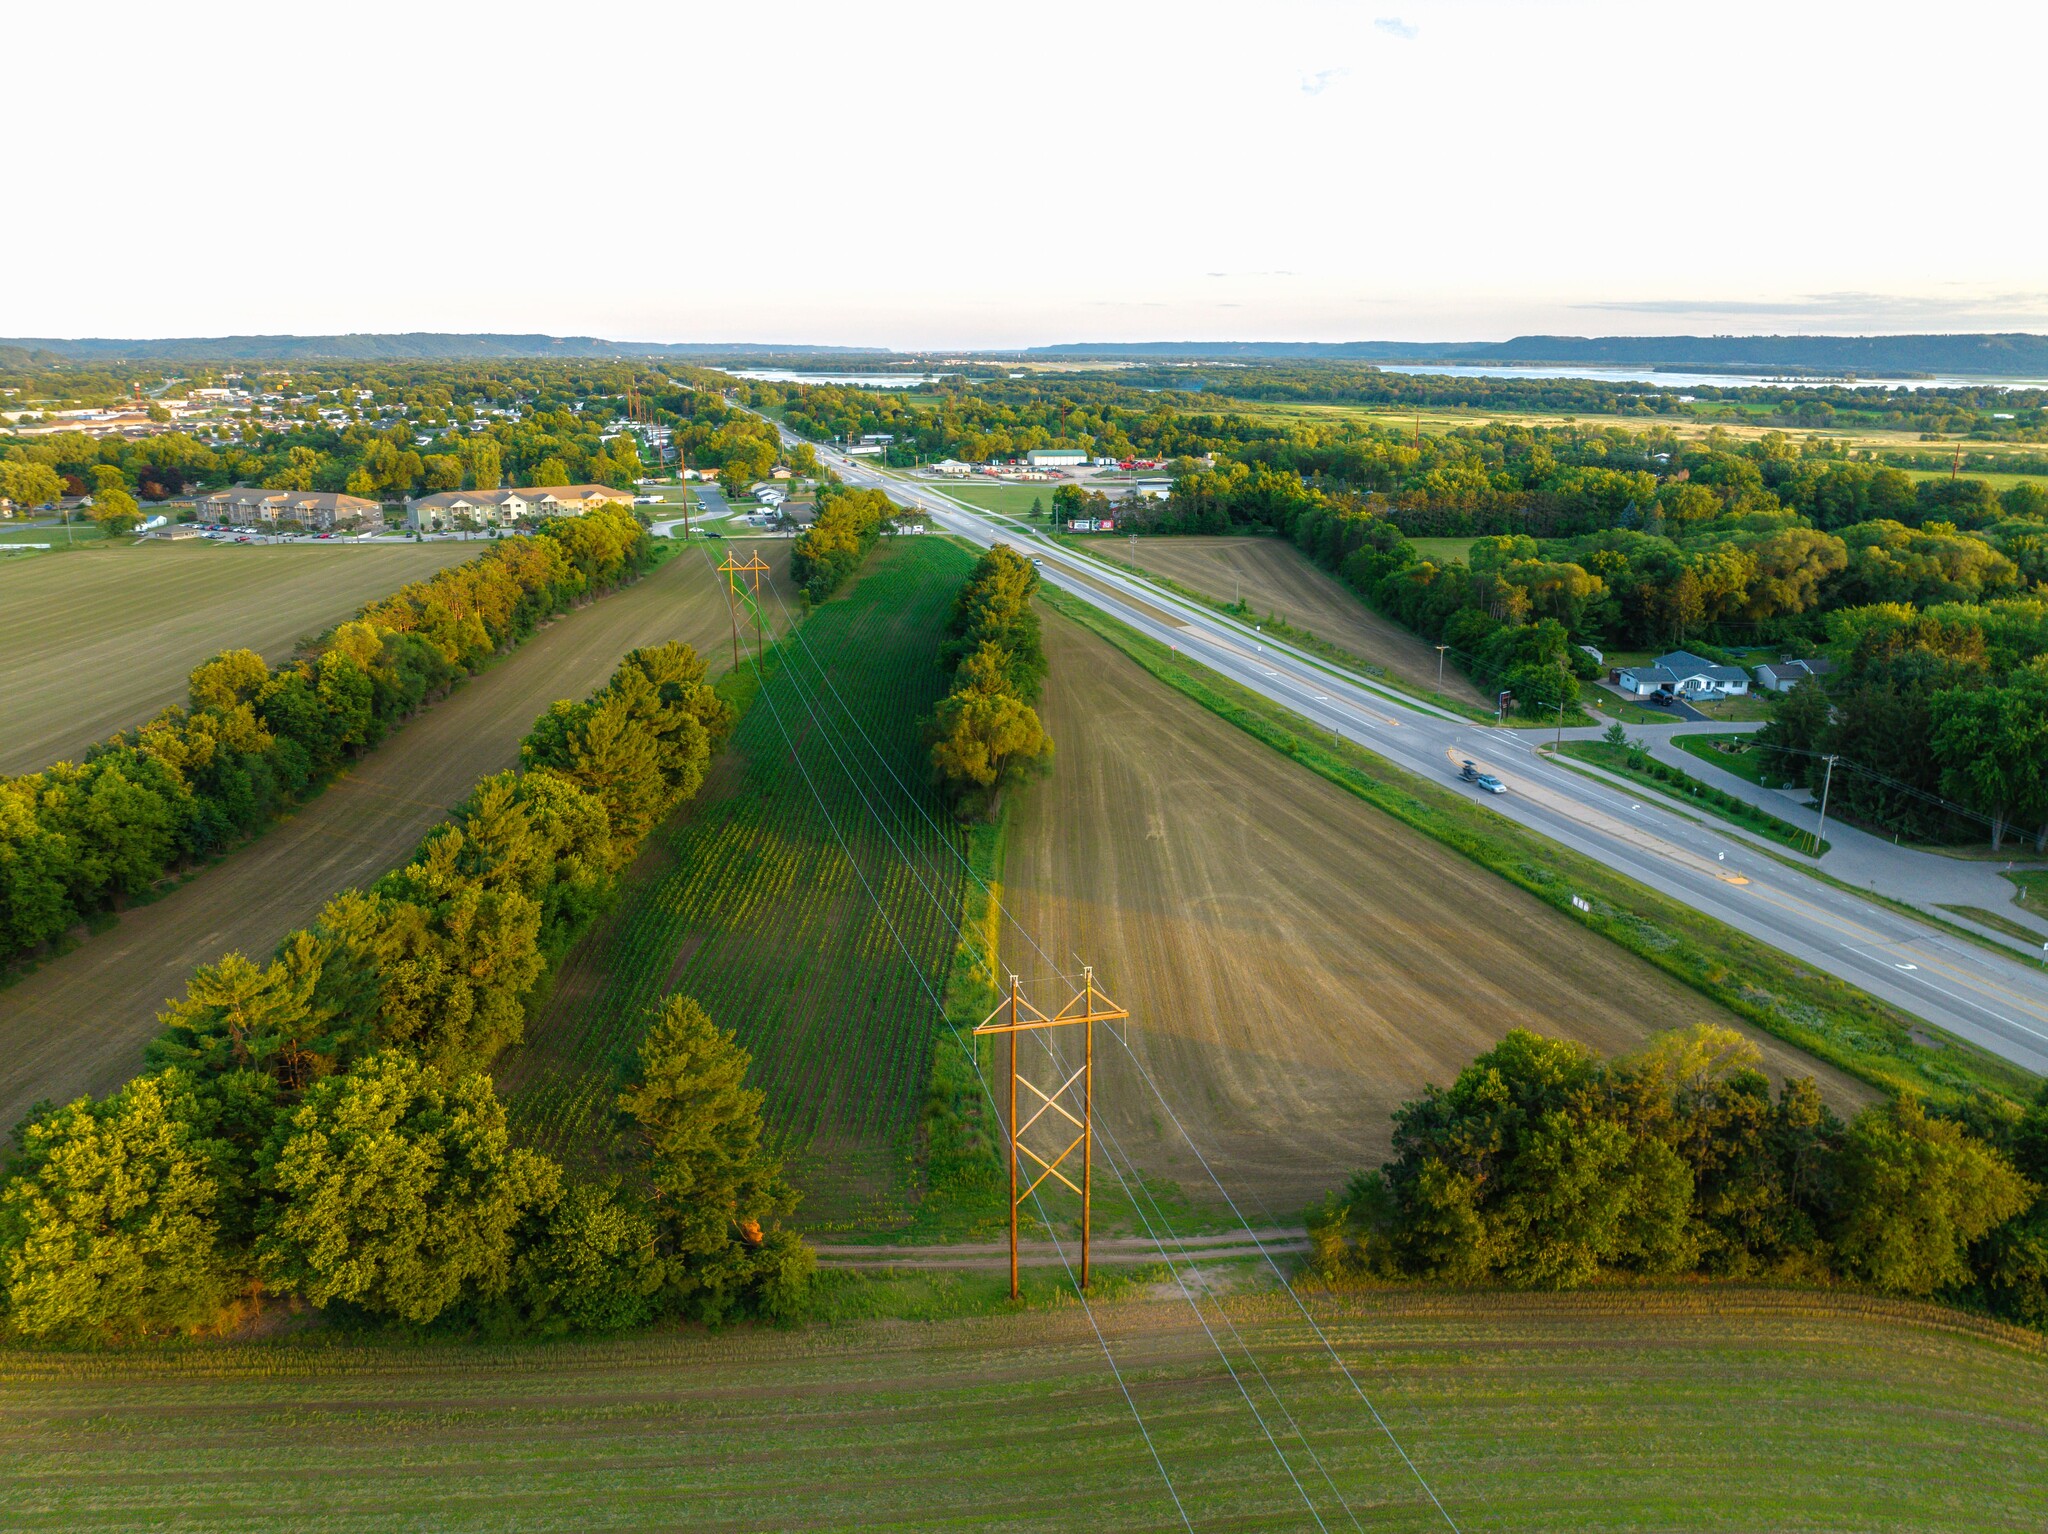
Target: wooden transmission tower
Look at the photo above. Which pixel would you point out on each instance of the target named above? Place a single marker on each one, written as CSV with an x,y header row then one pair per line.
x,y
1015,1016
732,570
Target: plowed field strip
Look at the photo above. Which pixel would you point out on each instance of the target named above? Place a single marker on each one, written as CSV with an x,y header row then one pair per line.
x,y
1297,964
1276,577
79,1023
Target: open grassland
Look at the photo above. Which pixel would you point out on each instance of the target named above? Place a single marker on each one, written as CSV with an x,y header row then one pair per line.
x,y
1297,963
762,906
1276,578
100,641
1691,1412
79,1022
1011,500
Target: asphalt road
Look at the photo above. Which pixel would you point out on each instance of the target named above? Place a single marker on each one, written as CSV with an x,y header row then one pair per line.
x,y
2000,1004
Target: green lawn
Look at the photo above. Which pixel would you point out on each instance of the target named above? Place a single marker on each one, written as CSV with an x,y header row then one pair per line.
x,y
1689,1411
1744,763
2033,889
1012,500
1442,550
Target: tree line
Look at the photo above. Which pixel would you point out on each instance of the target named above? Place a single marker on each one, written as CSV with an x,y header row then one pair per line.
x,y
1545,1167
985,735
848,524
252,739
323,1127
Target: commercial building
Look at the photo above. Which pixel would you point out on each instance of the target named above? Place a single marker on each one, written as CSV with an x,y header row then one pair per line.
x,y
1055,457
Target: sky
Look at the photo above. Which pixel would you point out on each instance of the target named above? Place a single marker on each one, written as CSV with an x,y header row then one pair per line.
x,y
948,176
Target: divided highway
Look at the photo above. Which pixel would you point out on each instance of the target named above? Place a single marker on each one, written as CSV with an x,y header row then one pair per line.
x,y
1999,1004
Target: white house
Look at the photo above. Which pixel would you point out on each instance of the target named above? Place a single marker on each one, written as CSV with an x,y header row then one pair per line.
x,y
1684,675
953,467
1055,457
1784,675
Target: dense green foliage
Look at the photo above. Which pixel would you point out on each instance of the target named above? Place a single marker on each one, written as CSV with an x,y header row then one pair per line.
x,y
832,548
985,735
323,1126
1542,1166
253,739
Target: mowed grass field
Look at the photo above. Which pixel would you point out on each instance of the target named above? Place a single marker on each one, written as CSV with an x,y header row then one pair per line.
x,y
1653,1413
762,906
79,1022
1276,577
99,640
1296,963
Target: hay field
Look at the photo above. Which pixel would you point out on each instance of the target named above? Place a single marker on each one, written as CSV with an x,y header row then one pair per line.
x,y
79,1023
101,639
1687,1412
1276,577
1297,964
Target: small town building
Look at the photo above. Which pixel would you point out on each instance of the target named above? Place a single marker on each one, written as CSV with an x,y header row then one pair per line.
x,y
1784,675
1681,674
1055,457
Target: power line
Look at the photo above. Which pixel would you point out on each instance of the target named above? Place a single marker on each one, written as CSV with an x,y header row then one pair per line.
x,y
940,906
1121,1038
939,1007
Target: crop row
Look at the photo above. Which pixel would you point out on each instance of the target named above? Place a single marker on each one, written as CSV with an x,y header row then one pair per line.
x,y
771,900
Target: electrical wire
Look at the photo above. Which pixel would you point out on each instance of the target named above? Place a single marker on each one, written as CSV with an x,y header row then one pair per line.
x,y
825,734
1322,1337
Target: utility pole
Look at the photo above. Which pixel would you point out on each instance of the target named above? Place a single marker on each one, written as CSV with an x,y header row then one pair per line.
x,y
1826,783
1440,666
732,569
1013,1017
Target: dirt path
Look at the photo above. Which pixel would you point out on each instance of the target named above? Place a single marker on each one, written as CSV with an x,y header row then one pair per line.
x,y
1044,1254
1296,964
1276,577
78,1024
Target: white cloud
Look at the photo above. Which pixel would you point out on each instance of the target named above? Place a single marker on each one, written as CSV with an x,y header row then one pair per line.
x,y
1394,26
1321,80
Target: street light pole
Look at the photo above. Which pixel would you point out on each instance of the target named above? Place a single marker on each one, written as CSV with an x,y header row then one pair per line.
x,y
1440,666
1826,783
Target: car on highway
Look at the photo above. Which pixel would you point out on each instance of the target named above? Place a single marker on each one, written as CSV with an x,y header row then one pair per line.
x,y
1490,783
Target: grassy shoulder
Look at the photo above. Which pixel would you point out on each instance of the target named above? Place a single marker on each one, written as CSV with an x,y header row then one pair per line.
x,y
1825,1017
1302,639
1663,779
